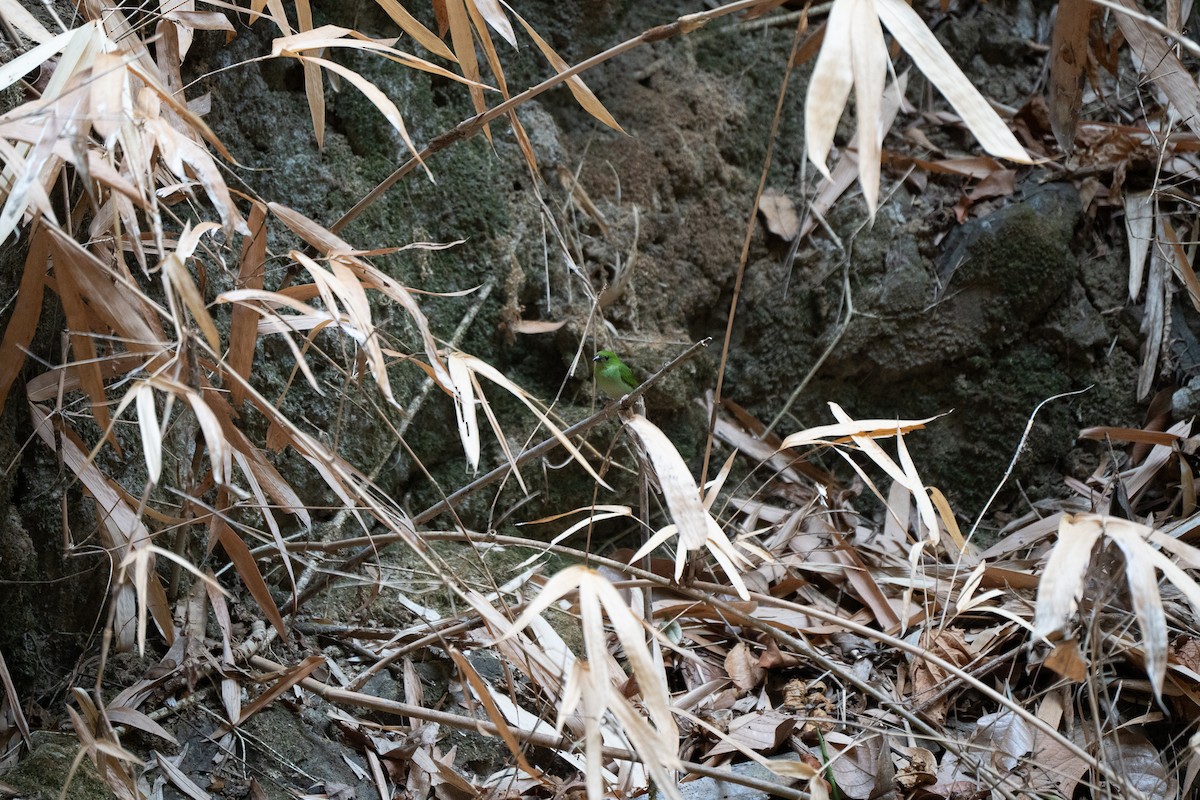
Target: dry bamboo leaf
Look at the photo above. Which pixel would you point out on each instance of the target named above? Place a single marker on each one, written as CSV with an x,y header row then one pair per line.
x,y
247,568
178,779
830,84
243,324
1104,433
479,367
22,324
1156,60
864,586
200,20
1062,579
762,733
377,98
1180,263
464,49
151,434
290,677
14,703
932,59
1068,58
1139,223
1066,660
328,37
583,95
1139,477
219,454
1154,322
870,59
595,514
122,715
329,243
693,523
464,408
178,278
20,18
314,89
67,268
491,11
483,692
410,25
845,431
535,326
591,683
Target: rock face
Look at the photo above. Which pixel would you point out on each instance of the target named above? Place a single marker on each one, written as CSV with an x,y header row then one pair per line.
x,y
987,319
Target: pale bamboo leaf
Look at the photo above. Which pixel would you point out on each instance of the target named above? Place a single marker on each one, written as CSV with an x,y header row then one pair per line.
x,y
829,86
932,59
1062,579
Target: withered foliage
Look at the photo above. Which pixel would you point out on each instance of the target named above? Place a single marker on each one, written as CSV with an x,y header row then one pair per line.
x,y
848,657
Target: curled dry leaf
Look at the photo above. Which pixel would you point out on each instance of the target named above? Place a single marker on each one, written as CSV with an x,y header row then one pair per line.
x,y
742,666
779,212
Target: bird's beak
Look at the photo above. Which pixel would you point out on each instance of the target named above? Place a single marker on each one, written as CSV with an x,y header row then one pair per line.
x,y
595,358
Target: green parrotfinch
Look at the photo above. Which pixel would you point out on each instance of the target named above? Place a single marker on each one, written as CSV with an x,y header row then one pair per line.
x,y
612,376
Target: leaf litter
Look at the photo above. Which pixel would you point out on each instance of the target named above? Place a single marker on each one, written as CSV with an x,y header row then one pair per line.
x,y
886,653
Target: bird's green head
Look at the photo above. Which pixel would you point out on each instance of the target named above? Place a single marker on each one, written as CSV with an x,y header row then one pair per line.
x,y
604,358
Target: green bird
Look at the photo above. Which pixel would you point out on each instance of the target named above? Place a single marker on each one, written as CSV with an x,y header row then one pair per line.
x,y
612,376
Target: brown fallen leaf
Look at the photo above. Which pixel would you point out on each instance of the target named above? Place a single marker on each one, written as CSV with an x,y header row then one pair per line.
x,y
779,212
742,666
